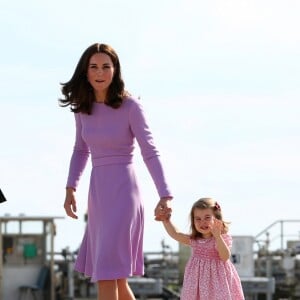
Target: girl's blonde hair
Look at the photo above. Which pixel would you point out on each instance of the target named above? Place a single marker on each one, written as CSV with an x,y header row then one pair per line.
x,y
206,203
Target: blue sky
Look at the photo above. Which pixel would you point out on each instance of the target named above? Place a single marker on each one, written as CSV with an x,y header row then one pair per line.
x,y
219,81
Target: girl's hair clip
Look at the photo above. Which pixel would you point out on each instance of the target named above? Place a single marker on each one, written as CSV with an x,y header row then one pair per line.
x,y
217,206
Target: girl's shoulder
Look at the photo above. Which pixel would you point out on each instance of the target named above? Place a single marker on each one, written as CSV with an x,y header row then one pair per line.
x,y
227,239
226,236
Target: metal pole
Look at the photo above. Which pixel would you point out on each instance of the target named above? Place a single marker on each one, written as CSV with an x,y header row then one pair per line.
x,y
52,288
70,276
281,234
269,274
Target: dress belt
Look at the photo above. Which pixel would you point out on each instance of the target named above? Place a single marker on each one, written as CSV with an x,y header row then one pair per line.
x,y
111,160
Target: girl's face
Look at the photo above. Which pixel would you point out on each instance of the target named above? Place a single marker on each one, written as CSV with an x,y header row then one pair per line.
x,y
203,221
100,74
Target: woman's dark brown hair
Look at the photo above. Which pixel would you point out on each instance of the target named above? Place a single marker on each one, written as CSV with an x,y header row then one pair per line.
x,y
78,93
206,203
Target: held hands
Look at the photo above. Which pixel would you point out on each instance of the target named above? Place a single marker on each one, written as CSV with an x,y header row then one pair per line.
x,y
163,210
70,203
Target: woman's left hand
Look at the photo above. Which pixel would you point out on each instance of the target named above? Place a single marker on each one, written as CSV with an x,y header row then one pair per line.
x,y
163,209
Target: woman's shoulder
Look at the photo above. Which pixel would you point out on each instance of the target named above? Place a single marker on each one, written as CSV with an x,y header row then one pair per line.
x,y
131,101
132,105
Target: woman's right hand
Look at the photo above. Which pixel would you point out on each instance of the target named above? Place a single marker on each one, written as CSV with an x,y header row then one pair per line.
x,y
70,203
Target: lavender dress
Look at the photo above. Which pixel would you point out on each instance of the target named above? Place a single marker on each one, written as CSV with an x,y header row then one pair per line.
x,y
112,246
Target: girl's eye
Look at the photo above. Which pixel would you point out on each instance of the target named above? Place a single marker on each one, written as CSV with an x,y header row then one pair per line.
x,y
207,219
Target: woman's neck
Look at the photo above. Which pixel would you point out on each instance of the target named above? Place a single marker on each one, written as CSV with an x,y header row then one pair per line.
x,y
100,97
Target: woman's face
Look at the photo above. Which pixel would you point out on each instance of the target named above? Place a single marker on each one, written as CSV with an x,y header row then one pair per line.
x,y
100,74
203,220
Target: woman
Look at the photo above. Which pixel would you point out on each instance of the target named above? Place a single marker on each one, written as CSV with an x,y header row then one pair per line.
x,y
108,121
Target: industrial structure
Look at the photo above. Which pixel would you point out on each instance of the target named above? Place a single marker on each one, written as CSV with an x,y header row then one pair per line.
x,y
268,264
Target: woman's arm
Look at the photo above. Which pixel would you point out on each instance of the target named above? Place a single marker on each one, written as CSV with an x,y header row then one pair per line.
x,y
79,156
77,164
150,154
175,233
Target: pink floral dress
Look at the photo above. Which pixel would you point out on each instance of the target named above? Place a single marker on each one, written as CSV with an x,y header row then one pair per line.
x,y
207,277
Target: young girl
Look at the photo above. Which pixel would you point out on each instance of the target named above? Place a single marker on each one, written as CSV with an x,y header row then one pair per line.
x,y
209,273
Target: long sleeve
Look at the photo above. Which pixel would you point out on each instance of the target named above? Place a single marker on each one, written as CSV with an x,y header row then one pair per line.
x,y
149,152
79,156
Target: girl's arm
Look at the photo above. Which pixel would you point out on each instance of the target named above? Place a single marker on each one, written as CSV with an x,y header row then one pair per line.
x,y
222,248
221,245
175,234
